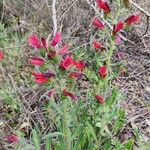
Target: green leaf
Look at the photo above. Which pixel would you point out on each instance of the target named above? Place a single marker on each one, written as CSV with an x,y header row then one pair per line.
x,y
36,140
107,145
90,130
55,106
120,120
48,144
111,100
51,135
77,132
129,144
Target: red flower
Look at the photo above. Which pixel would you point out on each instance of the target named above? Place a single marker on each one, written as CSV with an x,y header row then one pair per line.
x,y
118,27
64,50
51,54
98,24
72,96
80,65
36,61
100,99
104,6
12,138
51,93
97,45
133,19
40,78
75,75
1,55
34,41
67,62
103,71
56,39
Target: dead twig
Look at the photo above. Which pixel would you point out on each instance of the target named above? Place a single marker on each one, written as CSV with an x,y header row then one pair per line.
x,y
140,8
54,18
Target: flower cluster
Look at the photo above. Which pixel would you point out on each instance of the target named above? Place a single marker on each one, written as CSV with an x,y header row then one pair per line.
x,y
66,62
116,28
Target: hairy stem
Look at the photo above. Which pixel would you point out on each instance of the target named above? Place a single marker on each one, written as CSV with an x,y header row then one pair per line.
x,y
66,129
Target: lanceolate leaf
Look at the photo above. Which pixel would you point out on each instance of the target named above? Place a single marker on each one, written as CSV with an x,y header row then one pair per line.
x,y
52,135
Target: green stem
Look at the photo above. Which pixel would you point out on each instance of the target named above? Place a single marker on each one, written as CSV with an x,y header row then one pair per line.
x,y
66,129
110,53
108,61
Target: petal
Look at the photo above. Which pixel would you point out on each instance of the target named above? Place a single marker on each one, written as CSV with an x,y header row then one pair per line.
x,y
119,26
133,19
12,138
56,39
98,24
41,80
75,75
103,71
100,99
102,4
38,75
34,41
97,45
80,65
72,96
36,61
64,50
1,55
67,62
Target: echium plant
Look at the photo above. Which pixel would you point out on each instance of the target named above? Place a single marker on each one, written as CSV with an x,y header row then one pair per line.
x,y
82,99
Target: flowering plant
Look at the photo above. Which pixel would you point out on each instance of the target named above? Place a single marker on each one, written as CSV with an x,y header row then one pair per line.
x,y
81,99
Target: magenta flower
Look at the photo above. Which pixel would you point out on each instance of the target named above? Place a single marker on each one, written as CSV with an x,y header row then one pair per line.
x,y
1,55
12,138
67,62
133,19
72,96
102,4
75,75
100,99
34,41
35,60
103,71
56,39
40,78
118,27
96,45
80,65
64,50
97,23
